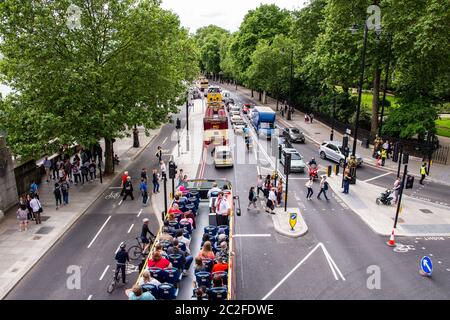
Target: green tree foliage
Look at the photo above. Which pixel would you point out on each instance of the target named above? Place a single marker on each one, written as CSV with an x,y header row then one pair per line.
x,y
123,66
210,41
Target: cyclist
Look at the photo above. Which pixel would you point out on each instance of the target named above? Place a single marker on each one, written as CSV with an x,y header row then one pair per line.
x,y
144,232
121,258
246,131
312,162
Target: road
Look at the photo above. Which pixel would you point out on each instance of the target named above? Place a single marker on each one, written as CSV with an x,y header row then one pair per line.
x,y
346,239
90,247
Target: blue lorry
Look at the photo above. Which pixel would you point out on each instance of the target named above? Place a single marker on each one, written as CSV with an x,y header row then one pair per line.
x,y
263,120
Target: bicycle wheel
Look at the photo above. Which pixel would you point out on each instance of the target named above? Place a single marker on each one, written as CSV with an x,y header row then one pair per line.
x,y
111,285
135,252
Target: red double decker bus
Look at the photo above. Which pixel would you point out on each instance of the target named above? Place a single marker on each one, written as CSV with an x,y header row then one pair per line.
x,y
215,125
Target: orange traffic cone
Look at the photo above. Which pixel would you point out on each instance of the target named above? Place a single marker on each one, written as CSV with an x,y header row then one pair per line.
x,y
391,242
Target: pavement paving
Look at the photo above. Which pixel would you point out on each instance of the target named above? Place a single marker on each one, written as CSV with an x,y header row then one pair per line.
x,y
20,251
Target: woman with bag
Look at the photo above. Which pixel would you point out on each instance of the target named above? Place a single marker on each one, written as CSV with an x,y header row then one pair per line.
x,y
251,198
36,207
22,217
309,185
279,191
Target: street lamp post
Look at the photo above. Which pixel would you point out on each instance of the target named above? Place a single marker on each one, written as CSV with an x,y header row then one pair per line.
x,y
360,85
187,111
383,103
334,116
290,85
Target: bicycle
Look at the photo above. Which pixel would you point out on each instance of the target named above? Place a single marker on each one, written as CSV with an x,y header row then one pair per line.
x,y
114,282
135,252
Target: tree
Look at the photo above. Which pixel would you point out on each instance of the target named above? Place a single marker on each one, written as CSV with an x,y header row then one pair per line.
x,y
210,41
123,65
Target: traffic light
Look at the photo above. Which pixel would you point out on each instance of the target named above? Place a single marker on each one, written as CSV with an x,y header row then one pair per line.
x,y
396,152
405,158
178,125
345,146
172,170
287,163
279,151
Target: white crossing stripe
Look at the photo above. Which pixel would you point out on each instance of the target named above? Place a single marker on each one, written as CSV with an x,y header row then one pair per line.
x,y
381,175
251,235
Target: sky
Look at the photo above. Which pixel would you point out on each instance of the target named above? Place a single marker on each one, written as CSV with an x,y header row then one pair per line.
x,y
227,14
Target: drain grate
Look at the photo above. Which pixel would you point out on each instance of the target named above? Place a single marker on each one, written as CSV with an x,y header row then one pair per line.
x,y
426,211
44,230
45,218
36,238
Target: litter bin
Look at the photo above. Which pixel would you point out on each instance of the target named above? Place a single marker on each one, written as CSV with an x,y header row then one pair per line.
x,y
409,181
365,143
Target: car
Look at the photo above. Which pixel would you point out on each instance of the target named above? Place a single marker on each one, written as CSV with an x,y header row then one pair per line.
x,y
334,151
297,163
226,96
246,107
284,143
236,118
223,157
293,135
239,126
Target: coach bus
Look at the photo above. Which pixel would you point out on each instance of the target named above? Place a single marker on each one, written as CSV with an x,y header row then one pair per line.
x,y
195,200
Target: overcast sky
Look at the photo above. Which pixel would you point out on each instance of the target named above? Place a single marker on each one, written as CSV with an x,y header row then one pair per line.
x,y
227,14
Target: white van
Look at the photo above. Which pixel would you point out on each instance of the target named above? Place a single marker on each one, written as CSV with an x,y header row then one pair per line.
x,y
226,96
223,157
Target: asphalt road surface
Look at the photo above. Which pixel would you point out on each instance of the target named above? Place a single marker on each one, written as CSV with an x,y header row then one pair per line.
x,y
122,222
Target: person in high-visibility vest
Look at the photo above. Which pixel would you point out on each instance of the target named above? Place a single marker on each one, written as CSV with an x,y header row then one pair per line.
x,y
423,172
383,156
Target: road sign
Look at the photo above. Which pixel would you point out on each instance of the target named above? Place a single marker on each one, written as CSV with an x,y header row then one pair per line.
x,y
426,266
292,219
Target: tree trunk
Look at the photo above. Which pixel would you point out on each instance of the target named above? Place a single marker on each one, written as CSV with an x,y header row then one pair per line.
x,y
252,94
375,101
108,156
259,96
277,102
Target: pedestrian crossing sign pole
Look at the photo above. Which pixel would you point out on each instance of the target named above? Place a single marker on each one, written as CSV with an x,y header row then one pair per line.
x,y
292,220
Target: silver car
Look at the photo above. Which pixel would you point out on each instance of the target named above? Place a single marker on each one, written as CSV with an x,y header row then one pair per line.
x,y
297,163
333,150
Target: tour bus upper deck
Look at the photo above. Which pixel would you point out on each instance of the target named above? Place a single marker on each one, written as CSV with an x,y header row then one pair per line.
x,y
196,191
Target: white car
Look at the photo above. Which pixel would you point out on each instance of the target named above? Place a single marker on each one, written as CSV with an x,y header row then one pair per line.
x,y
223,157
333,150
236,118
297,163
239,125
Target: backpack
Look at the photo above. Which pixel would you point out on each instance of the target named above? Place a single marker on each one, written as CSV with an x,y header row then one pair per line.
x,y
63,187
325,186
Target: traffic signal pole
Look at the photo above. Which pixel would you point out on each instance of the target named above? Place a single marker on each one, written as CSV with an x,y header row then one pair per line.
x,y
400,195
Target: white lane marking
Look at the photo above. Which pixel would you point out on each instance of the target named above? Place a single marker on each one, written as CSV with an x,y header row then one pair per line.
x,y
332,261
115,188
118,247
104,272
120,202
164,140
331,267
252,235
381,175
140,211
90,244
90,297
130,228
291,272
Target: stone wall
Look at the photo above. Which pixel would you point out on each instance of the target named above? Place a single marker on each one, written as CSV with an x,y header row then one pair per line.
x,y
8,189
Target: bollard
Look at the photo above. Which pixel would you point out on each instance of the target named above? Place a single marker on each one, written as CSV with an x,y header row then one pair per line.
x,y
336,169
329,171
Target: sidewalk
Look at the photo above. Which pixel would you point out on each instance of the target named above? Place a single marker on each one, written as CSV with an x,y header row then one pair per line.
x,y
417,217
319,132
20,251
187,155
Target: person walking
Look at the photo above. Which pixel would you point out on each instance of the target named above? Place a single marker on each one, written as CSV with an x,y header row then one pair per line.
x,y
128,189
30,211
383,156
311,117
423,172
22,217
144,174
267,186
47,165
36,208
309,185
123,181
396,189
155,181
279,191
260,184
251,198
162,167
158,154
306,118
57,194
76,172
271,201
144,191
64,185
68,170
93,170
347,179
323,187
34,189
84,172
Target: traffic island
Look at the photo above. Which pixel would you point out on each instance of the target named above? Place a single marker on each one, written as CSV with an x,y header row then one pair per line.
x,y
283,220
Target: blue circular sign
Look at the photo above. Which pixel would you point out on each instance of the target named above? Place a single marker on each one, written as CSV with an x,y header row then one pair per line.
x,y
426,265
